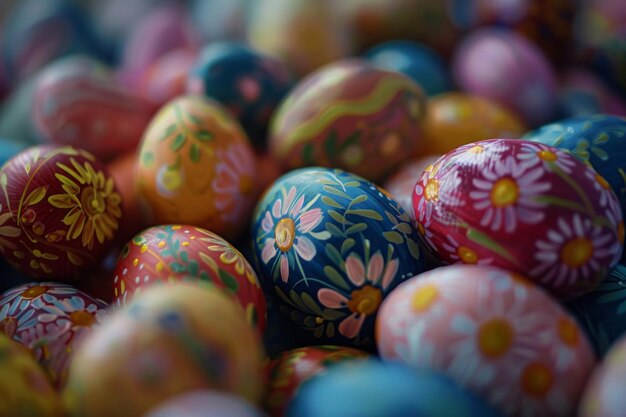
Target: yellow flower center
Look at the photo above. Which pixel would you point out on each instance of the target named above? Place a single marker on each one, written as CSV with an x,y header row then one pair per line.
x,y
34,292
420,229
603,183
505,192
365,300
476,149
424,297
431,191
577,252
536,380
467,255
92,201
547,156
568,332
284,234
82,318
495,337
245,184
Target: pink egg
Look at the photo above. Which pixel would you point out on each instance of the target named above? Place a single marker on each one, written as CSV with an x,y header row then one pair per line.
x,y
502,65
162,30
166,78
604,395
77,102
494,333
401,184
525,207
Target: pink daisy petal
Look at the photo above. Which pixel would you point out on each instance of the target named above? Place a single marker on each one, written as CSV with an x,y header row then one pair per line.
x,y
268,223
305,248
331,299
284,268
355,270
375,267
269,251
390,273
289,200
309,220
351,326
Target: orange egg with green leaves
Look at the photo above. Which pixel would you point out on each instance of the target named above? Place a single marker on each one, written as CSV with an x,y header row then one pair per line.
x,y
196,166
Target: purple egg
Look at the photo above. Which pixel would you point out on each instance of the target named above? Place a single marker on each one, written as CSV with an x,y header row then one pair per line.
x,y
504,66
582,93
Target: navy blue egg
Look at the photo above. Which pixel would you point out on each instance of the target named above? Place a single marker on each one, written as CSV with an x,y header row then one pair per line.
x,y
416,61
602,313
248,83
598,140
39,31
329,247
370,388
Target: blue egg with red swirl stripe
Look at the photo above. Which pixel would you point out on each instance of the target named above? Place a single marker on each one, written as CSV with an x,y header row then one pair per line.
x,y
247,82
329,247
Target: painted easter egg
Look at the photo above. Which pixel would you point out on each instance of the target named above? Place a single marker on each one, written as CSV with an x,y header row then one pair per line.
x,y
197,167
249,84
603,395
77,102
492,332
417,61
330,246
502,65
584,94
596,140
167,254
164,28
547,24
206,404
305,34
349,115
25,390
292,368
602,312
371,388
166,78
456,119
400,185
50,319
371,22
525,207
59,211
168,340
38,32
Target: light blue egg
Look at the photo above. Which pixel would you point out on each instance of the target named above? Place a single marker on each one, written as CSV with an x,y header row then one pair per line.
x,y
10,148
329,247
370,388
602,313
416,61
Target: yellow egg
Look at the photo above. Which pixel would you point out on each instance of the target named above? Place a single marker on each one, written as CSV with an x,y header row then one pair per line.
x,y
455,119
169,340
25,390
197,167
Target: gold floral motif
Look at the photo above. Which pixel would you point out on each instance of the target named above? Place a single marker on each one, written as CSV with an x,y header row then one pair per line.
x,y
7,231
94,206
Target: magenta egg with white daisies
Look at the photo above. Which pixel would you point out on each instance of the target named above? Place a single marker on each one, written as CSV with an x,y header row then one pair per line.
x,y
492,332
525,207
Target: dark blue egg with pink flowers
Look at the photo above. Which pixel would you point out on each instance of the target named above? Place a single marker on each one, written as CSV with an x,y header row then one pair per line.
x,y
247,82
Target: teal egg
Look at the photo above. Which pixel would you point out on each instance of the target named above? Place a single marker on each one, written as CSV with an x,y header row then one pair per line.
x,y
598,140
10,148
602,313
370,388
329,247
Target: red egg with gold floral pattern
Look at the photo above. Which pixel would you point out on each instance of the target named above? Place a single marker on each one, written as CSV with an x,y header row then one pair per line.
x,y
59,212
293,367
174,253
